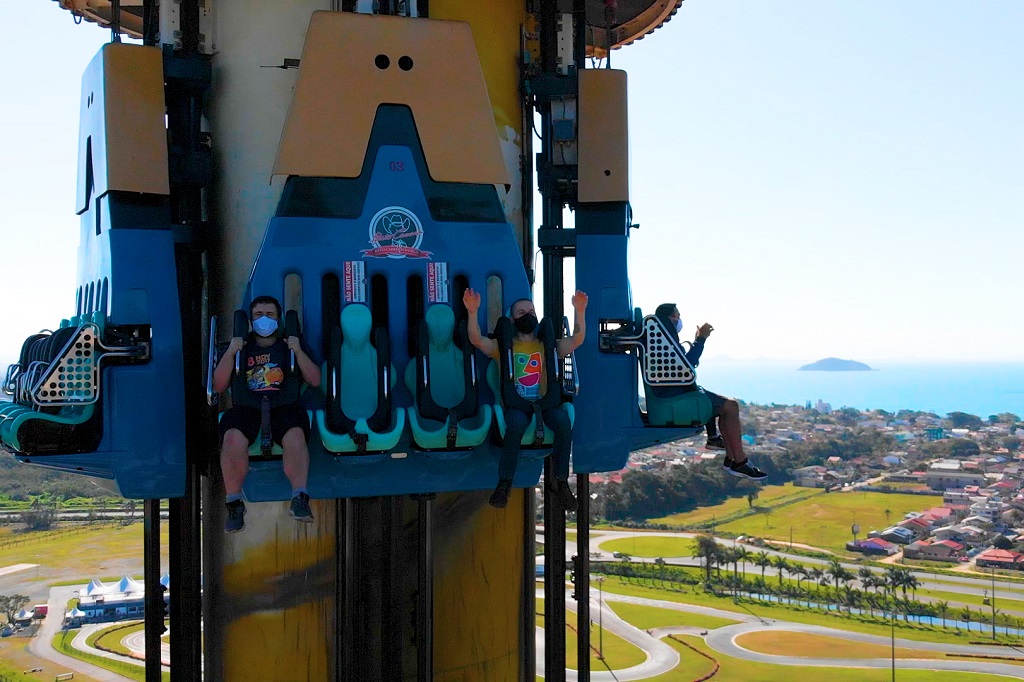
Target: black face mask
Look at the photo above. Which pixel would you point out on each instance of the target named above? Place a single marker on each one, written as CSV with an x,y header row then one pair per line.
x,y
526,324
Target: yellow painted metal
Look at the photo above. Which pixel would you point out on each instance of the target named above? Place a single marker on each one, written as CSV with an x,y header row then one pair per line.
x,y
603,136
479,568
352,63
497,33
477,595
121,131
279,588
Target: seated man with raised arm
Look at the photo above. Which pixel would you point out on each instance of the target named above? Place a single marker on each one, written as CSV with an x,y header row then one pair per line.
x,y
528,351
271,384
725,410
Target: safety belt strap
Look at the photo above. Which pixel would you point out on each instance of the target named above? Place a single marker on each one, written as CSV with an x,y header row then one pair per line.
x,y
266,442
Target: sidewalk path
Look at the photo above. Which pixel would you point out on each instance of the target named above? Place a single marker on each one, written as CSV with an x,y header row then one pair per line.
x,y
42,644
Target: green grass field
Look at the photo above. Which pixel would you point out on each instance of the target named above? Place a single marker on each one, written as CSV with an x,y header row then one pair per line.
x,y
617,652
739,670
643,545
872,626
649,617
110,638
62,643
825,520
768,496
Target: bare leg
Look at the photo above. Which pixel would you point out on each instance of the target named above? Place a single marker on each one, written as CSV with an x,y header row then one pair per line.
x,y
729,424
296,457
234,461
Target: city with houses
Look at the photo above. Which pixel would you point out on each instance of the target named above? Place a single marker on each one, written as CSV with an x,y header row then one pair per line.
x,y
976,464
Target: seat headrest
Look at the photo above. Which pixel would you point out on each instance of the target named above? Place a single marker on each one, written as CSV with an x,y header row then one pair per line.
x,y
440,325
356,322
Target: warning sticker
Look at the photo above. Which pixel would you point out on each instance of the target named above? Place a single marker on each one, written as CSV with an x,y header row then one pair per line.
x,y
355,281
437,282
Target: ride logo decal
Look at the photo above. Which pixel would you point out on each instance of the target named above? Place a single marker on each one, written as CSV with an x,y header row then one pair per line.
x,y
395,232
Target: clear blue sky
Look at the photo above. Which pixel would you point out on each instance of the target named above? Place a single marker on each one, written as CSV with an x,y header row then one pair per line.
x,y
814,177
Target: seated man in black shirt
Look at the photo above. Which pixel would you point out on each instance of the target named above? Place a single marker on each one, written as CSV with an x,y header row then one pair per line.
x,y
725,410
271,383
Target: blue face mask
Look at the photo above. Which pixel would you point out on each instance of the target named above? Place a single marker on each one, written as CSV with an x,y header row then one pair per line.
x,y
264,326
679,326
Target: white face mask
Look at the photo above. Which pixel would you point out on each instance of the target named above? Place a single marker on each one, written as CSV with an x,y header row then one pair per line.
x,y
264,326
679,326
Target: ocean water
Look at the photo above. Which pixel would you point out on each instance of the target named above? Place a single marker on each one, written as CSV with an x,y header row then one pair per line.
x,y
977,388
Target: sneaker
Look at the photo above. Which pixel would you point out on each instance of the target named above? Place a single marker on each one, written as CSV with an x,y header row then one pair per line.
x,y
727,462
236,517
563,493
300,510
745,469
499,498
715,443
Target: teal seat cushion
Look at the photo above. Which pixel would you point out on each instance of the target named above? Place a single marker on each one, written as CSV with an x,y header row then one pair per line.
x,y
14,419
357,392
433,435
376,442
447,387
688,409
358,363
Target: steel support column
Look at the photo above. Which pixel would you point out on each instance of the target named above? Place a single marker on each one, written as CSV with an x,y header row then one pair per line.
x,y
154,600
425,589
582,584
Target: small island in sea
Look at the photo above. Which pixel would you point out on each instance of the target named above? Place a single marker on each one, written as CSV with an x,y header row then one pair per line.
x,y
836,365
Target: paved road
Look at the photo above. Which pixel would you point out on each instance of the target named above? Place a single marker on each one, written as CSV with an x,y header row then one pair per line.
x,y
661,658
41,644
723,640
137,642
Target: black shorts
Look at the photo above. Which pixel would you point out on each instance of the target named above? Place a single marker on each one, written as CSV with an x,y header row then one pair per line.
x,y
717,402
282,419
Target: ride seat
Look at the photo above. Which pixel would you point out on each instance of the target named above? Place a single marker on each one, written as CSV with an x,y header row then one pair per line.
x,y
500,380
444,382
358,417
670,383
55,391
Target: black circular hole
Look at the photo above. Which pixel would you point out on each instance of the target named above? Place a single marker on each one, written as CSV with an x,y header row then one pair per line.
x,y
405,63
607,173
382,61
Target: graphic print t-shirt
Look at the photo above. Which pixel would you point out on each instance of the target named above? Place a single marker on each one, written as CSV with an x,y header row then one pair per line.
x,y
267,371
265,367
528,369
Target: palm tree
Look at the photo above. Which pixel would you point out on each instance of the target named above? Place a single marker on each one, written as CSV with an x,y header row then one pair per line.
x,y
888,513
661,570
893,579
966,614
743,555
872,601
910,580
763,560
866,576
943,608
818,576
707,549
801,572
782,566
836,570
